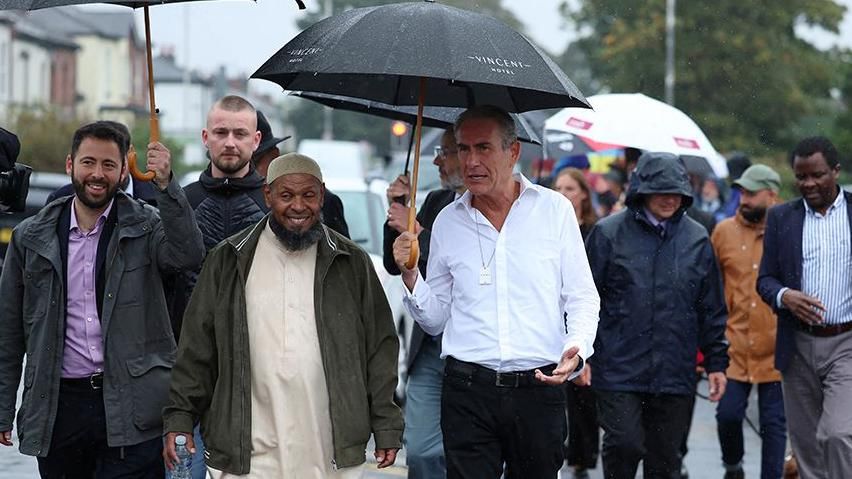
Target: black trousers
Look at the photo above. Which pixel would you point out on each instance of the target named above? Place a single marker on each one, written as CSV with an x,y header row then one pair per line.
x,y
79,450
583,430
642,427
486,425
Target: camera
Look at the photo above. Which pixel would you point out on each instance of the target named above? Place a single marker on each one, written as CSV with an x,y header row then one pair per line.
x,y
14,178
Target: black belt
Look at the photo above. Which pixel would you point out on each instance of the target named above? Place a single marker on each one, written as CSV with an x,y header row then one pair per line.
x,y
94,382
824,331
480,374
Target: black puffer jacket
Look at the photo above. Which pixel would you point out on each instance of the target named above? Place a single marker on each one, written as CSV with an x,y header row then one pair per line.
x,y
661,297
225,206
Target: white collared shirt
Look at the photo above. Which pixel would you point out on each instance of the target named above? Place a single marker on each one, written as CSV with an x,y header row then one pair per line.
x,y
541,301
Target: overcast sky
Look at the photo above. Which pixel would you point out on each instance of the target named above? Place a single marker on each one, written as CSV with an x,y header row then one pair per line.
x,y
241,34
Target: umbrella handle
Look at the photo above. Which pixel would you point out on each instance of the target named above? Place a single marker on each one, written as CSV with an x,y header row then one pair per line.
x,y
134,170
414,255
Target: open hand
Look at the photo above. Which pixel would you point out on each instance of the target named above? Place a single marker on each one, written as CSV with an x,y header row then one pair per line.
x,y
567,364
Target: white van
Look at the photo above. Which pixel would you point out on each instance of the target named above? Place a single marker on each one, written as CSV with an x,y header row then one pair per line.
x,y
339,159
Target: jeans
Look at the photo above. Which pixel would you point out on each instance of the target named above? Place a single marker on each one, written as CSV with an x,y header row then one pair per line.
x,y
773,428
423,440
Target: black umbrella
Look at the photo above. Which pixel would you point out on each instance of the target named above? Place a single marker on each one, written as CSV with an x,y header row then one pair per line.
x,y
155,125
421,53
433,116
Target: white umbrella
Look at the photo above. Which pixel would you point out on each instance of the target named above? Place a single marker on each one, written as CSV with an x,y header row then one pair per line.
x,y
639,121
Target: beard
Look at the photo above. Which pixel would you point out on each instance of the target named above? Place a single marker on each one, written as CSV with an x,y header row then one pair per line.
x,y
296,240
229,166
754,215
83,196
453,182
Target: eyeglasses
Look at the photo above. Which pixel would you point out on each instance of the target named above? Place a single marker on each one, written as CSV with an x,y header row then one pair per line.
x,y
439,151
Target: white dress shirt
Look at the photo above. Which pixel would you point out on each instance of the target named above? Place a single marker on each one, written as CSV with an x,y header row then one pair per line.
x,y
541,299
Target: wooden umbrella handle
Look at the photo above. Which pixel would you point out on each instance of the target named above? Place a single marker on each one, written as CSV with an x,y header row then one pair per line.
x,y
154,122
134,170
412,210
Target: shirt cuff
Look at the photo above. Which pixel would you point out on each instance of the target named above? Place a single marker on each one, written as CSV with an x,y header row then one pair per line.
x,y
420,291
778,302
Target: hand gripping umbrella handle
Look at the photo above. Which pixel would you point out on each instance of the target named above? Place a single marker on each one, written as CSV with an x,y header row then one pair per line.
x,y
134,170
414,255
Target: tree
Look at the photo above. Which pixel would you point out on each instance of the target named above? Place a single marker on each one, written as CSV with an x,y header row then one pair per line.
x,y
742,72
45,138
140,135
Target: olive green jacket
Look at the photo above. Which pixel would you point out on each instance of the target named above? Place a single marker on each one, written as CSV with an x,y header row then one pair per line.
x,y
211,379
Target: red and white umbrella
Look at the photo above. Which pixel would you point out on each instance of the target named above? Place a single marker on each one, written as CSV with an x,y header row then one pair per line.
x,y
638,121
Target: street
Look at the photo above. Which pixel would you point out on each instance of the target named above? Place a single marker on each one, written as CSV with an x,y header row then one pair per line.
x,y
703,460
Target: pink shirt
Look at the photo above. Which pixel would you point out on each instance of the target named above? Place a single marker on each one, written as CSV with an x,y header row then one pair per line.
x,y
84,349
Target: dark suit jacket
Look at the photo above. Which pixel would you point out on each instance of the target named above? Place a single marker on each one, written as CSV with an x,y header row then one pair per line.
x,y
142,190
434,203
781,266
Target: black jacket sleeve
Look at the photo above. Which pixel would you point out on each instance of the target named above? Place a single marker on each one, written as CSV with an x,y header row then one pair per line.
x,y
332,212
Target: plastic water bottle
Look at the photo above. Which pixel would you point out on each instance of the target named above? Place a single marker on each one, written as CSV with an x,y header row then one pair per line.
x,y
183,469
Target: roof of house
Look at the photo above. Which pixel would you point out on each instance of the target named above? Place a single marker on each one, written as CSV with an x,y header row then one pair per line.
x,y
167,71
35,32
72,21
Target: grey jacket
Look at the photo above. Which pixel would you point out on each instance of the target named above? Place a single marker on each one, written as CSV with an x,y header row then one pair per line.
x,y
139,347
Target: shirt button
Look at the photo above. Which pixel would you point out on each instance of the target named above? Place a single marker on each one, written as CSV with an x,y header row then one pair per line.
x,y
92,348
744,247
89,319
754,266
753,304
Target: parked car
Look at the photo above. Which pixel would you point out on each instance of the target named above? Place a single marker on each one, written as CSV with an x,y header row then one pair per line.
x,y
41,186
365,207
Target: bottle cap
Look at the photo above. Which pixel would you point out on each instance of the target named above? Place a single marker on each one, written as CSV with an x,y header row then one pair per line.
x,y
180,440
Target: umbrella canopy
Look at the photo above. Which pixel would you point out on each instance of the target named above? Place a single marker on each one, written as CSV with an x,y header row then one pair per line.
x,y
382,53
424,54
633,119
155,126
433,116
37,4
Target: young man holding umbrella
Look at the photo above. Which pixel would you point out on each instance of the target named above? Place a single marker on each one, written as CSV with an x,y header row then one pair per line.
x,y
83,300
518,312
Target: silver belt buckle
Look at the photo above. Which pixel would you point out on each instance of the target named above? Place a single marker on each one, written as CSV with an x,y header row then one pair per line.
x,y
503,381
93,380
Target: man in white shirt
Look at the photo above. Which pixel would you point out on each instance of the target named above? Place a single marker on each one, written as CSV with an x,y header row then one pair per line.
x,y
511,290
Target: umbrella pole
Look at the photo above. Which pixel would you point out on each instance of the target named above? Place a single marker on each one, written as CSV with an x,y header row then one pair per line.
x,y
410,144
155,125
412,211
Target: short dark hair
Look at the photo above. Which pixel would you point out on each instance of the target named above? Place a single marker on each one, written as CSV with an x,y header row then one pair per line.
x,y
234,103
103,130
816,144
508,131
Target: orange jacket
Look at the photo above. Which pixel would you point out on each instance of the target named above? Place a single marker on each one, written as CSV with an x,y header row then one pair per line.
x,y
751,328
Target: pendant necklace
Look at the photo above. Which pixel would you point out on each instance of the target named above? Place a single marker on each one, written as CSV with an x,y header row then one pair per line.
x,y
485,271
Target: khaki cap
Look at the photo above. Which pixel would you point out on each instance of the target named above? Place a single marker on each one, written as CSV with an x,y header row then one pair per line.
x,y
292,163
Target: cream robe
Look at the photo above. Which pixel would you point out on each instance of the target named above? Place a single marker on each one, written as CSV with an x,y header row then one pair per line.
x,y
291,426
